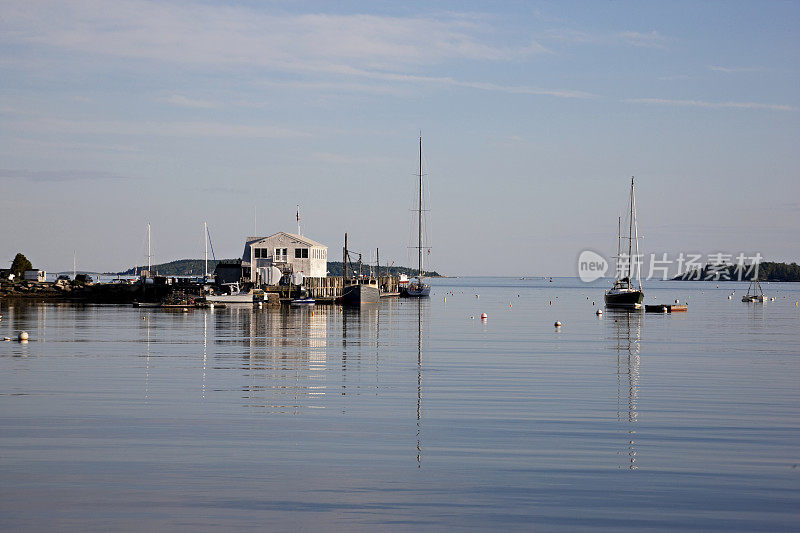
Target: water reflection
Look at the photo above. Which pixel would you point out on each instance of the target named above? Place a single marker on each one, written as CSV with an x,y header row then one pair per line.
x,y
627,333
360,328
284,357
419,383
146,324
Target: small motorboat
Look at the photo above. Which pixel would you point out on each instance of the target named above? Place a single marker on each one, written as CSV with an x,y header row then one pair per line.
x,y
303,298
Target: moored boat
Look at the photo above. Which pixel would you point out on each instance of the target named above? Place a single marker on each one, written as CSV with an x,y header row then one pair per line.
x,y
234,296
625,293
360,290
754,293
418,288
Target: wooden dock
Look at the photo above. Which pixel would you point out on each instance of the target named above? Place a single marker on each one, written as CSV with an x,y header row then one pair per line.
x,y
328,289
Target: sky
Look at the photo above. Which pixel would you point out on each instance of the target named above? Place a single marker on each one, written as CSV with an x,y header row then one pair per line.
x,y
533,116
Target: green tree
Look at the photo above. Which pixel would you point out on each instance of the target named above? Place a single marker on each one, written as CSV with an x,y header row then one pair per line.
x,y
20,265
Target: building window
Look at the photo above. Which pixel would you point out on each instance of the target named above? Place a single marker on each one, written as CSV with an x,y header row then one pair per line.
x,y
305,253
297,252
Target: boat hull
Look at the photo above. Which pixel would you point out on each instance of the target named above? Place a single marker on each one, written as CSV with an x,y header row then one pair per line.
x,y
230,299
360,294
625,300
414,290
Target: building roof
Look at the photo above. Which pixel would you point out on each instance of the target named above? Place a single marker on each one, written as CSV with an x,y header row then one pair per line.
x,y
301,238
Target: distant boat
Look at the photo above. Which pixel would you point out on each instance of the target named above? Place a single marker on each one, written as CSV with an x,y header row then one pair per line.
x,y
234,296
757,294
625,293
418,288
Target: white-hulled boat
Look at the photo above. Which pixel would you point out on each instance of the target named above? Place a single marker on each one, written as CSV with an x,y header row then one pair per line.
x,y
234,296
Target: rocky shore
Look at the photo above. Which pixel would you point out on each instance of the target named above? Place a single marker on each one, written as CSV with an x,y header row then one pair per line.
x,y
69,291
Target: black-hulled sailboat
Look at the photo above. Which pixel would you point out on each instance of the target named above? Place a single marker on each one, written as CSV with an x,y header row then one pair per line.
x,y
627,292
418,288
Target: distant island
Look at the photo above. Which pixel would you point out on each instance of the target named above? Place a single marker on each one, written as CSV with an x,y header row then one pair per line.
x,y
767,271
195,267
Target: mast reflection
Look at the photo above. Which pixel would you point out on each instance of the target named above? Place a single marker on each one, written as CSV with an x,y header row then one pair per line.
x,y
627,331
419,382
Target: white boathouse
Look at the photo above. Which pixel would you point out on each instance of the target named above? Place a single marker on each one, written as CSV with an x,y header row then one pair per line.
x,y
289,252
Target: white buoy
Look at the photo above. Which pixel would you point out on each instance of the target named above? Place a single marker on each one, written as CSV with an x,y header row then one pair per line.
x,y
23,336
185,309
557,324
484,316
211,305
599,312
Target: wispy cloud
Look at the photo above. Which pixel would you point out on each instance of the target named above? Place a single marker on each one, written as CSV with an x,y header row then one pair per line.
x,y
61,175
216,37
184,101
191,33
734,70
651,39
188,129
713,105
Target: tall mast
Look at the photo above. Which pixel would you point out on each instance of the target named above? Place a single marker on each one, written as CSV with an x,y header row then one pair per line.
x,y
619,236
419,222
636,237
344,259
148,249
74,263
630,239
298,219
205,240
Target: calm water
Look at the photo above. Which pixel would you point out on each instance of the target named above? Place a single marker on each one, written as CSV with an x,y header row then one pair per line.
x,y
408,415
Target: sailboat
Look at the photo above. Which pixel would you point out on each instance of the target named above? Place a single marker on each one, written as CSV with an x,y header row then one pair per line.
x,y
625,293
418,288
757,292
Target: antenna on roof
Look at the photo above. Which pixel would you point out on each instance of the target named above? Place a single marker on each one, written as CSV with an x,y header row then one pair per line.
x,y
298,219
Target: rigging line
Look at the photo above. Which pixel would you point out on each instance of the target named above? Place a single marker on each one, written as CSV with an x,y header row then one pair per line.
x,y
211,244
